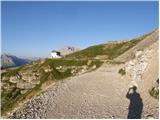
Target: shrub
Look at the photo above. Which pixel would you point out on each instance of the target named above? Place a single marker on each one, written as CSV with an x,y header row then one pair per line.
x,y
154,92
122,71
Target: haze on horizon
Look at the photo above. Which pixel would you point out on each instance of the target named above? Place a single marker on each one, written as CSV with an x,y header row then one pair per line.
x,y
36,28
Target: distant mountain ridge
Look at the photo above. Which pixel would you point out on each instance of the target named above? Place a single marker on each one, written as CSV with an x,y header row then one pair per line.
x,y
8,61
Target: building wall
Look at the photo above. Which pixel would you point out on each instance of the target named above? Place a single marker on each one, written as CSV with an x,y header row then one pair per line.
x,y
54,55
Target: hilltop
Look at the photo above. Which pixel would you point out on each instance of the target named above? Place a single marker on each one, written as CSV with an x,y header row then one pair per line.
x,y
108,51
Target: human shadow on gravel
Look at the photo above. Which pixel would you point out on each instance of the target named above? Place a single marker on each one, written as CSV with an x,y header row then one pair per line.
x,y
136,104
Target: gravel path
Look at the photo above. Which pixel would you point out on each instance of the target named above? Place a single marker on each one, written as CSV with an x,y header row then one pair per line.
x,y
92,95
98,94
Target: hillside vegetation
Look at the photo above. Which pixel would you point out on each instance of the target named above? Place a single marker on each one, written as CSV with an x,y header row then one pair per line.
x,y
106,51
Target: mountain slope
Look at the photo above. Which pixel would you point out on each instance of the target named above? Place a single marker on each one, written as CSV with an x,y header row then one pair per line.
x,y
146,42
20,84
12,61
101,93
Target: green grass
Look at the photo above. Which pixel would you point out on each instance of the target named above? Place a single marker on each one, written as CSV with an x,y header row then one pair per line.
x,y
11,72
62,62
9,98
111,51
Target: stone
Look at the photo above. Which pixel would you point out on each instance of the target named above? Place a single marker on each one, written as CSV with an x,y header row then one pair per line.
x,y
150,117
23,91
48,70
18,76
35,82
63,69
73,71
94,67
24,85
83,71
84,67
59,67
29,77
14,79
138,54
4,78
89,62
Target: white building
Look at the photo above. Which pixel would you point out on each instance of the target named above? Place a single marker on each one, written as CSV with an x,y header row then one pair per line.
x,y
55,54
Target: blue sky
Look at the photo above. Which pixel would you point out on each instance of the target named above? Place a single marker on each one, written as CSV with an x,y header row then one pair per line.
x,y
36,28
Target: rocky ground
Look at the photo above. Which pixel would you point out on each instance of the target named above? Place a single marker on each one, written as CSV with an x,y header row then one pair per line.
x,y
101,93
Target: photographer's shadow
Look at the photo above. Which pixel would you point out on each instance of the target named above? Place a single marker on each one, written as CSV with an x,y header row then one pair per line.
x,y
136,104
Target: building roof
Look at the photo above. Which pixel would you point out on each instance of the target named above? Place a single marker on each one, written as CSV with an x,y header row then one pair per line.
x,y
54,51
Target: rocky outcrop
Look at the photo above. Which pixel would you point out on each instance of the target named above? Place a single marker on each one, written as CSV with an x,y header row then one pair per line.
x,y
136,67
68,50
24,80
74,69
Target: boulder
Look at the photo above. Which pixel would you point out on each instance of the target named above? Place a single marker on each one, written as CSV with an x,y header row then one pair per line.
x,y
138,54
84,67
94,67
89,62
29,77
35,82
48,70
13,79
23,91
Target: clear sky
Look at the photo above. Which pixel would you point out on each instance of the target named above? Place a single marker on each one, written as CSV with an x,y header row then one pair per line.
x,y
36,28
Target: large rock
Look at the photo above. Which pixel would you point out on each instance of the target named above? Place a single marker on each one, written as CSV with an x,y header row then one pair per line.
x,y
68,50
89,62
15,79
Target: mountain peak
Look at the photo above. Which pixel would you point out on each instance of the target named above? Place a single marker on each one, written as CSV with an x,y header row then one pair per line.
x,y
8,60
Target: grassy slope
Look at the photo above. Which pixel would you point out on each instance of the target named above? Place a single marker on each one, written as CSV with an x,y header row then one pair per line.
x,y
111,51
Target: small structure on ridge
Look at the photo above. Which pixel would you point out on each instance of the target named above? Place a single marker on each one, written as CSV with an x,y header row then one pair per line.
x,y
55,54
